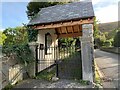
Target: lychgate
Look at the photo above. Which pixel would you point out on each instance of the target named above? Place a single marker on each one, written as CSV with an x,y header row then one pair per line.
x,y
60,21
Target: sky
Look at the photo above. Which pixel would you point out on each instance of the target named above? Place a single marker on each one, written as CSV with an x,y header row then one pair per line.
x,y
14,12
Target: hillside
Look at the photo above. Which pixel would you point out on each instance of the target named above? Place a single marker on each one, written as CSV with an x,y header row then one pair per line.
x,y
107,27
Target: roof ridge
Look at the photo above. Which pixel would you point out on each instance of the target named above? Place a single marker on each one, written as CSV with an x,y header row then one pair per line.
x,y
69,11
65,4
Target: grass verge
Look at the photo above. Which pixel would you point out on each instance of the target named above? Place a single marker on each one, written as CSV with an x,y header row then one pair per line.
x,y
98,80
46,74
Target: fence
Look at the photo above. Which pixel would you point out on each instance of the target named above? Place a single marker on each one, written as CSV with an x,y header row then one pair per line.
x,y
112,49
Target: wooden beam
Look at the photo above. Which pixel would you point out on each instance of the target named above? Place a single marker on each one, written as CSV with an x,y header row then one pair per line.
x,y
66,29
72,29
76,28
69,35
64,24
59,30
69,29
80,28
56,31
63,29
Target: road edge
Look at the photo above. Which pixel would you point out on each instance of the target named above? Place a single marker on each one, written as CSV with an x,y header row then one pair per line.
x,y
98,70
100,74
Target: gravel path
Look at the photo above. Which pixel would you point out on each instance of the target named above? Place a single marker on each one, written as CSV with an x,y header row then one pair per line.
x,y
32,83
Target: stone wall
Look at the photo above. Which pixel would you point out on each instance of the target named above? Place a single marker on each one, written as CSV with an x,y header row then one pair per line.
x,y
111,49
13,72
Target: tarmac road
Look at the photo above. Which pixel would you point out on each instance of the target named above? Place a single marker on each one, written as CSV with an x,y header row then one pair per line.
x,y
108,65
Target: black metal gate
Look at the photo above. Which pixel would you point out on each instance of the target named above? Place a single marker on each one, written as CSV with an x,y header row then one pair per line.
x,y
66,58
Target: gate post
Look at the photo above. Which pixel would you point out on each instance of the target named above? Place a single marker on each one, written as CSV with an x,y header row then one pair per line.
x,y
36,57
87,52
32,69
57,71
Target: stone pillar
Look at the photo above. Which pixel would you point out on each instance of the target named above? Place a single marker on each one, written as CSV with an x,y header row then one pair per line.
x,y
32,66
87,52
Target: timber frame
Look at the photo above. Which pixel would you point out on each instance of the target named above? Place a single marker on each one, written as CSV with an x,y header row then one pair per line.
x,y
71,28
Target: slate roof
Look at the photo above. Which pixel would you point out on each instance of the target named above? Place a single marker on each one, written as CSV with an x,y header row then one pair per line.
x,y
57,13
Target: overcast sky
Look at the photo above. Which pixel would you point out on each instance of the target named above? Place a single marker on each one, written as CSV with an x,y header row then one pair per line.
x,y
14,12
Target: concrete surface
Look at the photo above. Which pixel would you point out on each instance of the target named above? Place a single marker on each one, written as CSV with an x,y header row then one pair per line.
x,y
39,83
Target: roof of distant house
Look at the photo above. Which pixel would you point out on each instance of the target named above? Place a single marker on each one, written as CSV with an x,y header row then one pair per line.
x,y
65,12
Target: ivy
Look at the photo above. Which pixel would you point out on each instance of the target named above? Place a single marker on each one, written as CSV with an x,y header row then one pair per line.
x,y
22,53
32,34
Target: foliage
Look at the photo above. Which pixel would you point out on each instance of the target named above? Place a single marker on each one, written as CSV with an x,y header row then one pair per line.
x,y
98,80
66,41
84,82
34,7
15,36
96,30
111,34
46,75
117,39
108,43
8,87
103,39
99,40
16,44
2,38
24,54
32,34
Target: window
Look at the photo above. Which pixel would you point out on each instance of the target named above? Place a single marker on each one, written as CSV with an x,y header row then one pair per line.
x,y
48,42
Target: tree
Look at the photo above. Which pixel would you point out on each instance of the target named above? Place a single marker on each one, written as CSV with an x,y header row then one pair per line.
x,y
96,29
117,39
34,7
98,36
2,38
16,45
15,36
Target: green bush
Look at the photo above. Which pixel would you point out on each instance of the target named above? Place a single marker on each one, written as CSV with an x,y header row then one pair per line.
x,y
108,43
8,87
22,53
117,39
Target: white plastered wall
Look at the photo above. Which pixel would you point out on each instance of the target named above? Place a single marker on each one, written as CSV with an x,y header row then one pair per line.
x,y
48,60
41,37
